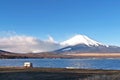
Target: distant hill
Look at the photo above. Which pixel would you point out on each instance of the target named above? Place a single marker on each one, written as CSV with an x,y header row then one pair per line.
x,y
6,55
82,48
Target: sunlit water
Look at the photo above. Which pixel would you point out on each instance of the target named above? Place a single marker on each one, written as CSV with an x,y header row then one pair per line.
x,y
63,63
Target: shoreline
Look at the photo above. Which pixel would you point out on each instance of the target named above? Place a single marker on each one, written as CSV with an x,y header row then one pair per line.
x,y
65,55
96,55
21,73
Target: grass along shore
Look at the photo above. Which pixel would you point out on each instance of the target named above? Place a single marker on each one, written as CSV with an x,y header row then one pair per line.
x,y
21,73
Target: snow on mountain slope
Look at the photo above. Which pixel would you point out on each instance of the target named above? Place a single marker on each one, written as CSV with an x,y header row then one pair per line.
x,y
80,39
83,44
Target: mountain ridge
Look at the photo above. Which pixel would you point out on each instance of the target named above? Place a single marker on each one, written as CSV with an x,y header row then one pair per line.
x,y
84,44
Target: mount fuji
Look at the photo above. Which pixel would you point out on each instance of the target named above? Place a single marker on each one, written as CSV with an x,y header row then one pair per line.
x,y
84,44
80,39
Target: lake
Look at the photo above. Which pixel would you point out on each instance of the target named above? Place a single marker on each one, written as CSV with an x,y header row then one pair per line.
x,y
107,63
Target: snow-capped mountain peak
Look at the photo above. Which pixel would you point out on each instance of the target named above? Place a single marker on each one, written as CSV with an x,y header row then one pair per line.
x,y
80,39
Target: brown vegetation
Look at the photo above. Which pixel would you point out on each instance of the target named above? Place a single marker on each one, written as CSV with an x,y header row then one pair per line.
x,y
6,55
14,73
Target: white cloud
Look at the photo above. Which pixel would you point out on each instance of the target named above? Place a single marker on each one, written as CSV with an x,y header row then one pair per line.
x,y
23,44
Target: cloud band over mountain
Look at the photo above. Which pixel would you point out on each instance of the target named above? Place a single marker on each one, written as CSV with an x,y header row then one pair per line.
x,y
23,44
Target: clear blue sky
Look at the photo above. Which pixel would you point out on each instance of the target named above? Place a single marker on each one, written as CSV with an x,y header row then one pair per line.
x,y
98,19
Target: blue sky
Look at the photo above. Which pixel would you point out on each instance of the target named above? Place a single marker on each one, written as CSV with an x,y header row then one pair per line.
x,y
98,19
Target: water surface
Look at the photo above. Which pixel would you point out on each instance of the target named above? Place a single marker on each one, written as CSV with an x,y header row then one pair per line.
x,y
63,63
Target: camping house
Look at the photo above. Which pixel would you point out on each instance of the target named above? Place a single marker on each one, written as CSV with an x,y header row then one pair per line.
x,y
28,65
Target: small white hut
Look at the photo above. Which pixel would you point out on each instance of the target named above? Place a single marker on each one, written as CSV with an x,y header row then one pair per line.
x,y
28,65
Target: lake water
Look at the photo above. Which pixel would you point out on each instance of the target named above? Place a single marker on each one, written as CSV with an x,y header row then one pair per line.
x,y
63,63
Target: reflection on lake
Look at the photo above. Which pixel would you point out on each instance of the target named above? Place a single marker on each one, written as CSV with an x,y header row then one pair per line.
x,y
63,63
